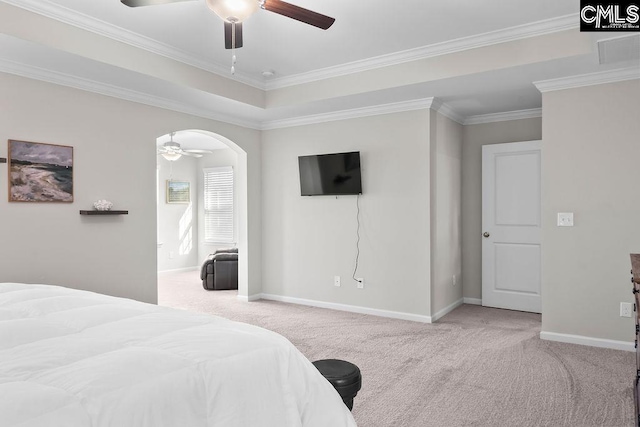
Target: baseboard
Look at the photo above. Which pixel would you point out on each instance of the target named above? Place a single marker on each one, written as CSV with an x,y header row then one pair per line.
x,y
349,308
249,298
177,270
590,341
473,301
446,310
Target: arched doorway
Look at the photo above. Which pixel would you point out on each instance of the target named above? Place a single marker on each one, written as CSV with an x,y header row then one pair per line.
x,y
181,240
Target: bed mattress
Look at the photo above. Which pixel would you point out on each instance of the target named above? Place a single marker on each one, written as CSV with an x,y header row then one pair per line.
x,y
75,358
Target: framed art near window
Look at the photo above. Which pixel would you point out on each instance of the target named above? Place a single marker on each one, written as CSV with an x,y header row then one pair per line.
x,y
40,172
178,191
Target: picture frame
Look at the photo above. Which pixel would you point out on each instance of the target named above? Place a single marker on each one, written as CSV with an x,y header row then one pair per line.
x,y
178,191
40,172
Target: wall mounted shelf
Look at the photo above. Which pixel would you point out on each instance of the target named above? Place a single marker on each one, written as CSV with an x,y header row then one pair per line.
x,y
104,212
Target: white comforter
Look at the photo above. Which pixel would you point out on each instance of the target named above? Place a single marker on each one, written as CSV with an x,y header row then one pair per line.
x,y
72,358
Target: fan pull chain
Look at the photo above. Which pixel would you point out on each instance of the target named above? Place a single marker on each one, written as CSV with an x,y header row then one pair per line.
x,y
233,48
233,62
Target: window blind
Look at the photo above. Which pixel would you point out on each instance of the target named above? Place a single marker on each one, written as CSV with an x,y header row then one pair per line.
x,y
218,205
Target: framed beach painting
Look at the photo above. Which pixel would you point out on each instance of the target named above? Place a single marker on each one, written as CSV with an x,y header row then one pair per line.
x,y
40,172
178,191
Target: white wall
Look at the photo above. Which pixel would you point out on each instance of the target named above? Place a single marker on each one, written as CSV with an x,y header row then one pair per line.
x,y
446,237
114,158
590,153
309,240
474,137
223,157
177,222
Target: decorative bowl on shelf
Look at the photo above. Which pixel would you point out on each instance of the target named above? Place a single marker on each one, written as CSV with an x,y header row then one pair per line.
x,y
102,205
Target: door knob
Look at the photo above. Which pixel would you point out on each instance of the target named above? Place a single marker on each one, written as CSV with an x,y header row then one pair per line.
x,y
486,234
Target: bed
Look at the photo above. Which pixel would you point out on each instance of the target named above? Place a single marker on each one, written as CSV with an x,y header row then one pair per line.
x,y
75,358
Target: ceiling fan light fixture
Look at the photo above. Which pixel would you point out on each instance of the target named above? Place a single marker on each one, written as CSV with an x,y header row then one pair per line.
x,y
171,145
172,157
233,10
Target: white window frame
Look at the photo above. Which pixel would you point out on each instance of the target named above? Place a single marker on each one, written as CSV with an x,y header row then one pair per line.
x,y
230,238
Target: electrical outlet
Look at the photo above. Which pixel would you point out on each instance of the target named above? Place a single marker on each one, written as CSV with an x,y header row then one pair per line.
x,y
454,281
565,219
336,281
360,284
625,309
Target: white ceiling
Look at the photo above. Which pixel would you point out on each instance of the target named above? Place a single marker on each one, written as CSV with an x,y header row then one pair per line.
x,y
362,29
369,33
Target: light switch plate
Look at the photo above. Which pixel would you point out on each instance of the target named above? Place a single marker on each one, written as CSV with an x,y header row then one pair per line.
x,y
565,219
625,309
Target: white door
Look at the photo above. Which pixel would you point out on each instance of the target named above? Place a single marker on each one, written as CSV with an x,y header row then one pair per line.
x,y
511,226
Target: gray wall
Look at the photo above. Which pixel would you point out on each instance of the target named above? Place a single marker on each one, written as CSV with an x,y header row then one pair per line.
x,y
474,137
115,158
446,237
309,240
177,223
590,153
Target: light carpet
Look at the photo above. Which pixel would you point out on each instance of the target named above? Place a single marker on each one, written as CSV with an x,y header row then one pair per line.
x,y
475,367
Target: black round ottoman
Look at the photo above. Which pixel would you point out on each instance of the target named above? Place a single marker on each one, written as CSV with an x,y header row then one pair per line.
x,y
345,377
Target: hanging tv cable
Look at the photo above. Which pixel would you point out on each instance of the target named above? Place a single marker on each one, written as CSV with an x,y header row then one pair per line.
x,y
355,269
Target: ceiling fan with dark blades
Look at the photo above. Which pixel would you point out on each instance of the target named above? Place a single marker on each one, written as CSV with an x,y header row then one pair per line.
x,y
234,12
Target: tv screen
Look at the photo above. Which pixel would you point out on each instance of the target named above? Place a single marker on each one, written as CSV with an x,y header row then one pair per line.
x,y
330,174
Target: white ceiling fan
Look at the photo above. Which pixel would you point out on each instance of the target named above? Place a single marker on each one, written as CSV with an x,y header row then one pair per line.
x,y
172,151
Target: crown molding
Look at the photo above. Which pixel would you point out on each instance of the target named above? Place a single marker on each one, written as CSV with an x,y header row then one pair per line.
x,y
538,28
611,76
88,85
447,111
503,117
439,106
396,107
75,82
85,22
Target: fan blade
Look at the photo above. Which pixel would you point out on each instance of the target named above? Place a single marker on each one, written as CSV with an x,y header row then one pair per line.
x,y
298,13
138,3
232,35
198,151
184,153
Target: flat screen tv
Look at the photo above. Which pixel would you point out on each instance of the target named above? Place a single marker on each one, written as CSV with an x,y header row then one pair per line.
x,y
330,174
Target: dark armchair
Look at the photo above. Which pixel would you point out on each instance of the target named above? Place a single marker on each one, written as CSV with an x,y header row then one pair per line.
x,y
220,270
